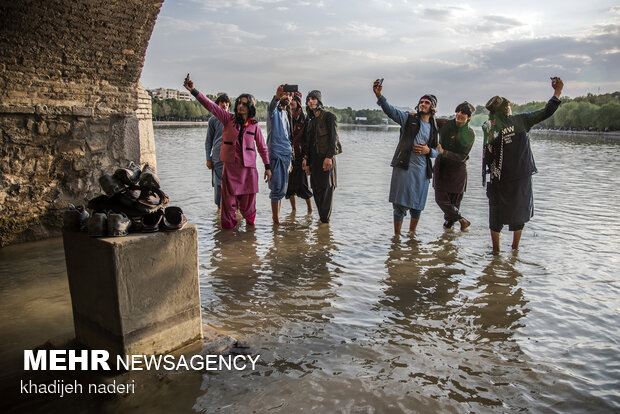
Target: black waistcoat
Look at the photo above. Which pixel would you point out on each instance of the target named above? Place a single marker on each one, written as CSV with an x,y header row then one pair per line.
x,y
405,144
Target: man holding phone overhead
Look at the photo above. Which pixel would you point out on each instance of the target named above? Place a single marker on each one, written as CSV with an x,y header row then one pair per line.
x,y
412,167
241,140
509,160
279,137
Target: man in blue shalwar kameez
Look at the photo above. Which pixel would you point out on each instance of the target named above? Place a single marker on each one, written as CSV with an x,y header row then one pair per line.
x,y
279,138
412,167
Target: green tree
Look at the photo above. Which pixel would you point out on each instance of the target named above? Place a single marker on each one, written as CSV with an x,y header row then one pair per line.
x,y
608,117
478,119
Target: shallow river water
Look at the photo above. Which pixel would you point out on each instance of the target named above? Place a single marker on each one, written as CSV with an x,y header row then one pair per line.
x,y
348,318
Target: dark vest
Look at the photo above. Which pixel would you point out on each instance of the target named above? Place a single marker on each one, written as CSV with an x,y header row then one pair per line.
x,y
322,140
406,140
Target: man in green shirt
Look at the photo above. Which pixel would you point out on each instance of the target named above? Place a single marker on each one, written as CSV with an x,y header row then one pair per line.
x,y
450,171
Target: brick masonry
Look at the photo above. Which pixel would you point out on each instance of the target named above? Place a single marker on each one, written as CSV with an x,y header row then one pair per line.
x,y
71,106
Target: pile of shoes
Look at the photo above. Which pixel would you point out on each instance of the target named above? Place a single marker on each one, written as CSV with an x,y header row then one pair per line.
x,y
133,200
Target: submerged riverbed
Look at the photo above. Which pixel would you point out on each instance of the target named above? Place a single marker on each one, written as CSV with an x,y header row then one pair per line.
x,y
348,318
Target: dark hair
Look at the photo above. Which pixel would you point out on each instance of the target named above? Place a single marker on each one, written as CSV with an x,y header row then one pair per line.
x,y
222,97
498,105
466,108
316,94
432,99
251,106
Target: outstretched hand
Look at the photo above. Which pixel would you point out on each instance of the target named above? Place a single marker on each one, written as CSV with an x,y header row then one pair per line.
x,y
189,85
377,87
557,85
280,92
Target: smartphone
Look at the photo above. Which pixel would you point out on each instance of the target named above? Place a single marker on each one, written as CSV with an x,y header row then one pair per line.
x,y
380,81
291,88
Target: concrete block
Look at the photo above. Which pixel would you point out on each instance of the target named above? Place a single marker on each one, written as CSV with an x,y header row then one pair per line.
x,y
137,294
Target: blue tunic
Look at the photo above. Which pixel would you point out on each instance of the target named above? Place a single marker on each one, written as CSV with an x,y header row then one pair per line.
x,y
409,187
280,149
213,143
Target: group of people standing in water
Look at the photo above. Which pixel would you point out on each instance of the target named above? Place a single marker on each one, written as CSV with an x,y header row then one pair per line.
x,y
306,144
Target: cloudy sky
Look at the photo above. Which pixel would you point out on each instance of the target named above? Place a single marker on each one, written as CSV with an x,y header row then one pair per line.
x,y
458,50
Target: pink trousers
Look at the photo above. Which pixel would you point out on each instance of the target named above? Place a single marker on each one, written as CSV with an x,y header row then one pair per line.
x,y
230,202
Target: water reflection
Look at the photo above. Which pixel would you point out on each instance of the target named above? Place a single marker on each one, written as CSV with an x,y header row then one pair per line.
x,y
347,319
500,305
419,288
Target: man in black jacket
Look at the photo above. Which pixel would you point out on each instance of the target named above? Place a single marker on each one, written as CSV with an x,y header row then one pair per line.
x,y
319,161
412,167
509,160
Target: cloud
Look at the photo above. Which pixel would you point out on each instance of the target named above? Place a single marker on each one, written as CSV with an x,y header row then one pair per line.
x,y
492,24
443,13
232,32
358,29
251,5
472,52
365,30
568,53
168,24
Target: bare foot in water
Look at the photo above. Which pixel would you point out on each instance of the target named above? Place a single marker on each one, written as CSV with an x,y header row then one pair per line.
x,y
464,223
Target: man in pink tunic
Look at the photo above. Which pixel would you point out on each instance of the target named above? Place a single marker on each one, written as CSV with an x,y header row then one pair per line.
x,y
241,137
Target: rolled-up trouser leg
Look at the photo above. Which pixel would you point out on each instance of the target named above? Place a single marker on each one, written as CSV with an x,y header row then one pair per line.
x,y
449,203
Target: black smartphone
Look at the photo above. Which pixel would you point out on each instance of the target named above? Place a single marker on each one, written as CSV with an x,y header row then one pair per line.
x,y
380,81
290,88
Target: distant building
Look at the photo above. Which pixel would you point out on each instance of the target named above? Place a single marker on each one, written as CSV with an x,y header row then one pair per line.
x,y
162,93
361,118
184,96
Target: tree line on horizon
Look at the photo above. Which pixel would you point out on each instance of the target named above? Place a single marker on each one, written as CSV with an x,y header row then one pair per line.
x,y
591,112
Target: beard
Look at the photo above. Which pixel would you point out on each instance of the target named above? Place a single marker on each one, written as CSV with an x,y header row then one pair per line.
x,y
427,112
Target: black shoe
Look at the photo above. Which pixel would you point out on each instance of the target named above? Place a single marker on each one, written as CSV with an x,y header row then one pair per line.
x,y
110,184
152,221
118,224
75,218
97,225
129,175
174,219
151,201
448,224
148,178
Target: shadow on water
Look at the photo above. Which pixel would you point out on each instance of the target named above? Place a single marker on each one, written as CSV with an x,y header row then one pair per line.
x,y
281,306
450,337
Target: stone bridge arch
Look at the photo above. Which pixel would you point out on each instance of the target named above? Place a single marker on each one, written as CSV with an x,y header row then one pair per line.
x,y
71,106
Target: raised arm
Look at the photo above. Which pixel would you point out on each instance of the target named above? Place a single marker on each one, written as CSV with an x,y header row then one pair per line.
x,y
530,119
220,113
398,116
